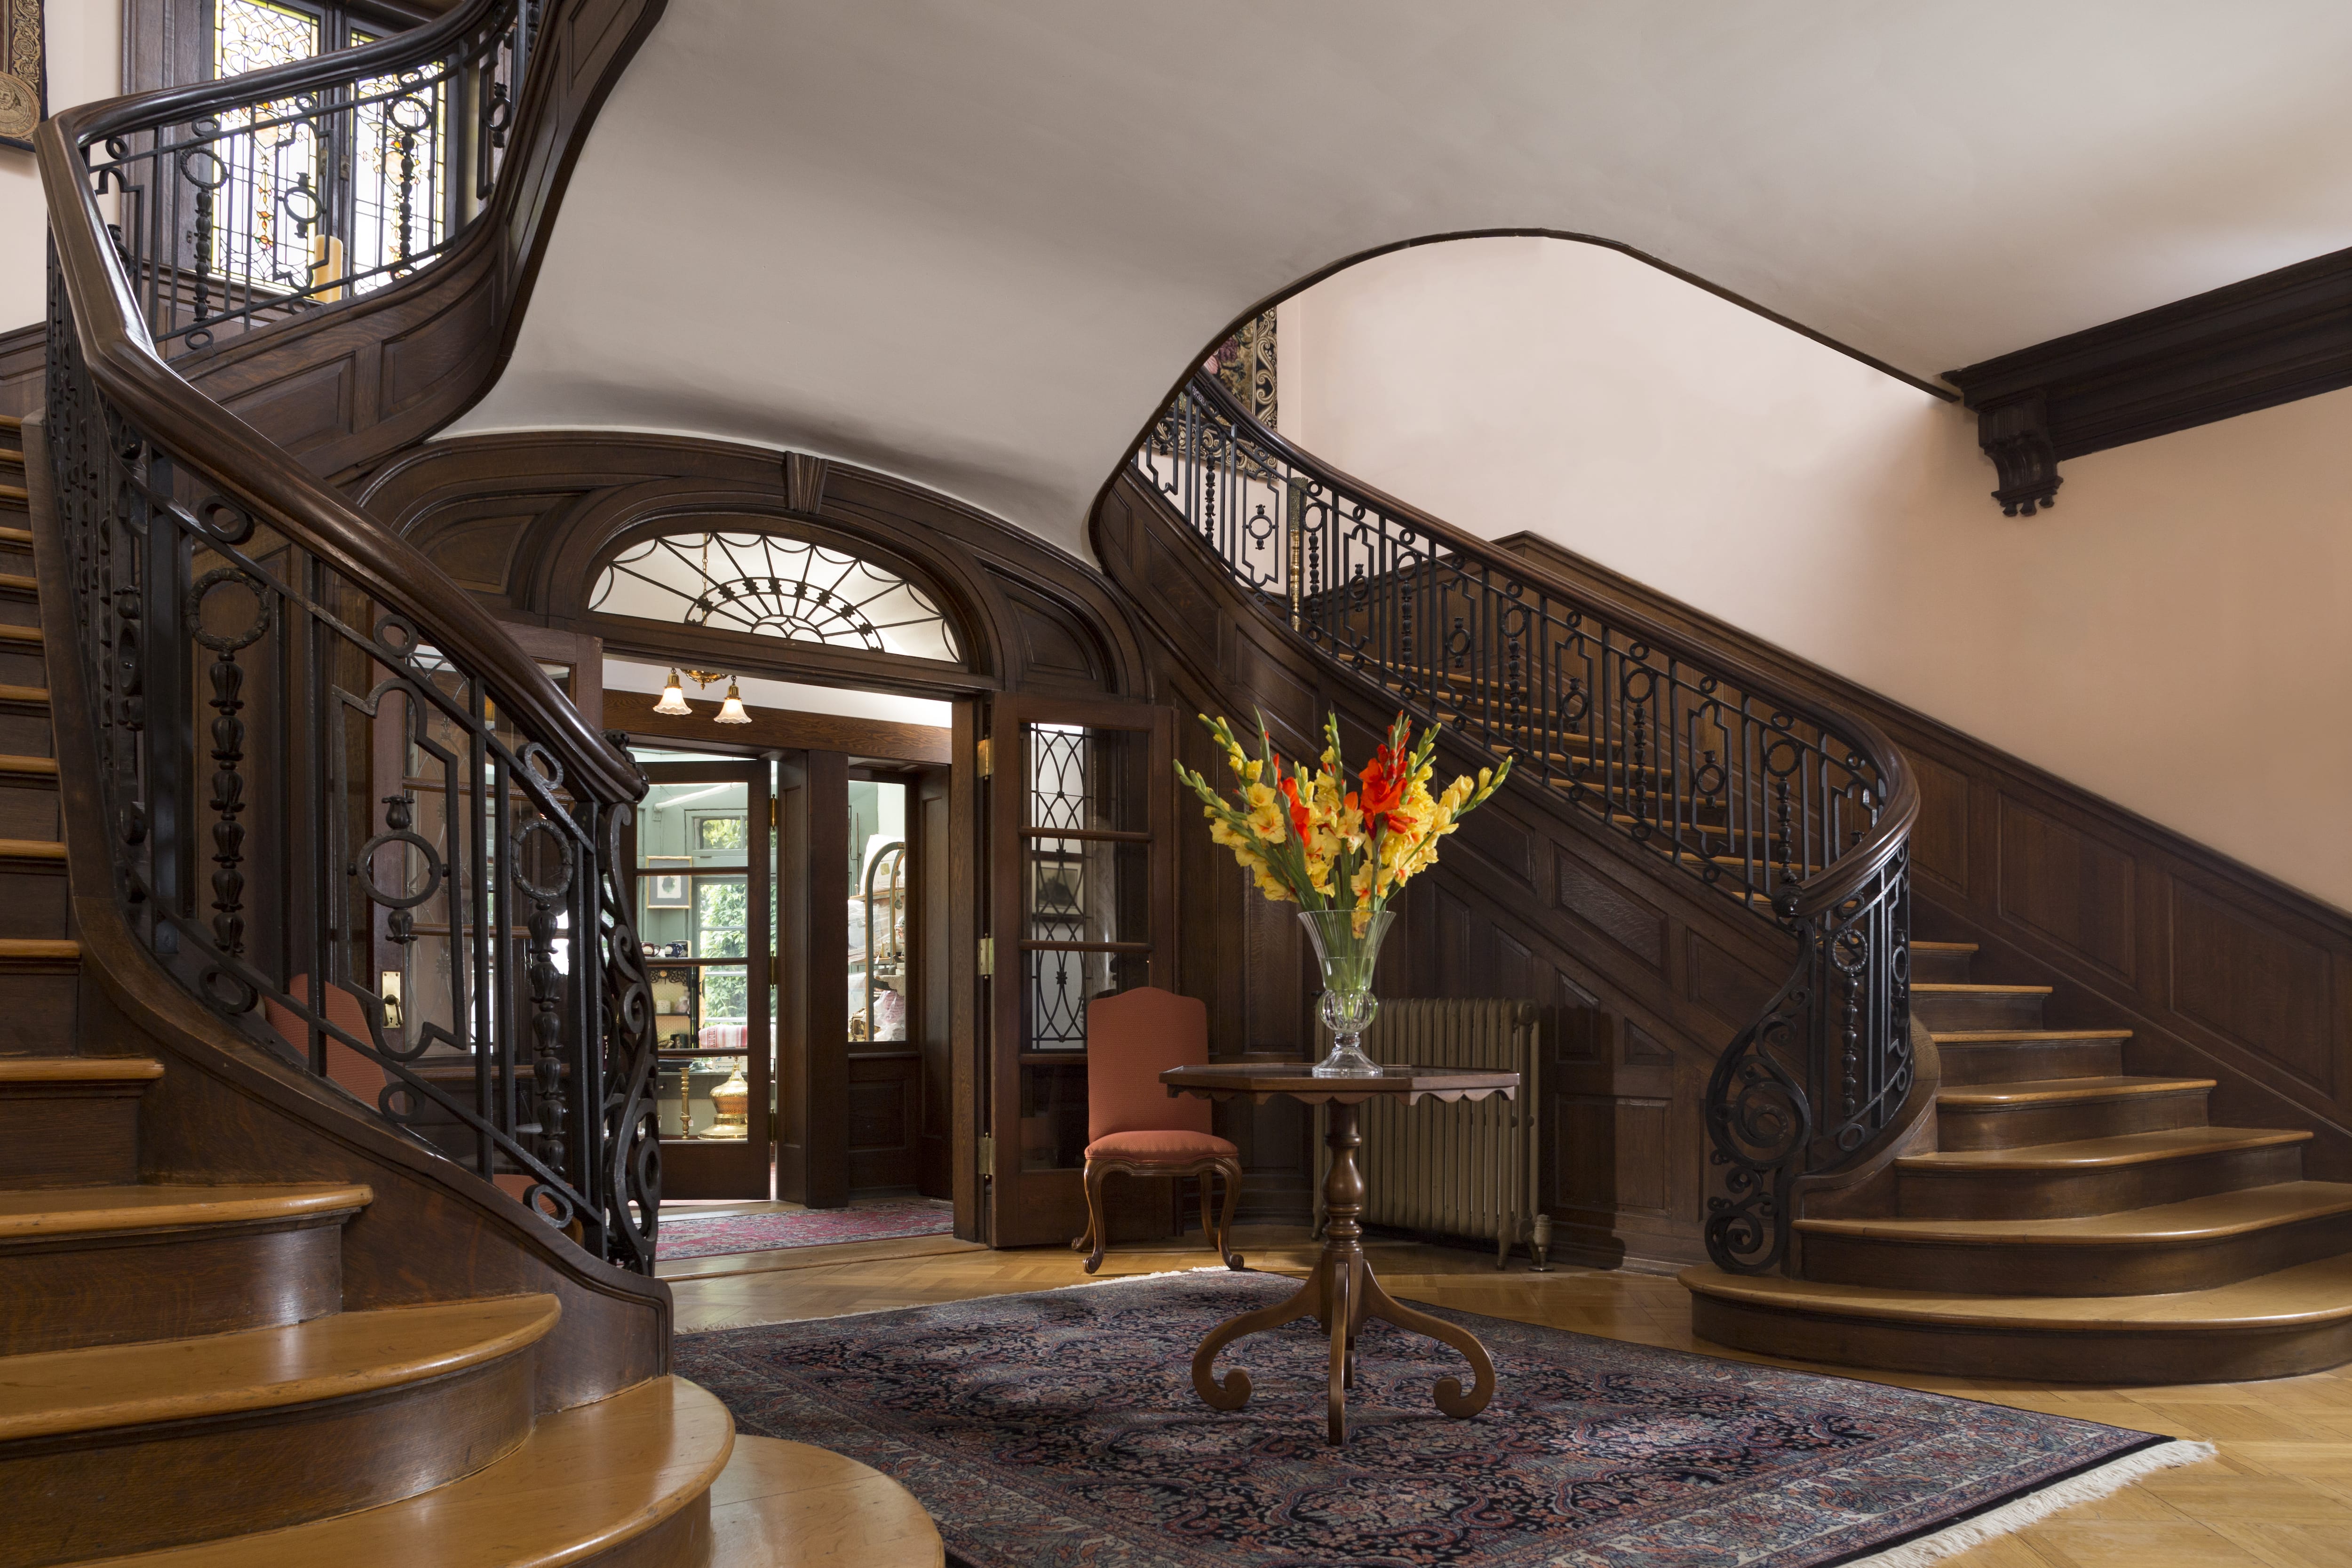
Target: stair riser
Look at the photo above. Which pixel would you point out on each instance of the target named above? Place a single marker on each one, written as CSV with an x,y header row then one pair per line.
x,y
2057,1270
20,666
2030,1061
33,902
59,1135
96,1494
26,733
28,812
1943,1011
2059,1195
107,1290
39,1022
17,560
2116,1358
1959,1127
1930,968
18,609
686,1540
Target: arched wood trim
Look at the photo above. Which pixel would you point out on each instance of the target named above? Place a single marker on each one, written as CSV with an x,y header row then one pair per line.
x,y
570,499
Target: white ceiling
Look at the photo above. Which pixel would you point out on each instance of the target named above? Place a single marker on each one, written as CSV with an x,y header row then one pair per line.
x,y
973,244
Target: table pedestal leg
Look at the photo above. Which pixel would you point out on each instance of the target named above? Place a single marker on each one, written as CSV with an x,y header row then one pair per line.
x,y
1342,1294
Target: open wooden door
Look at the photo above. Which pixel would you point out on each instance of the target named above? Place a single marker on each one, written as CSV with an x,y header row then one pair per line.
x,y
1081,904
699,852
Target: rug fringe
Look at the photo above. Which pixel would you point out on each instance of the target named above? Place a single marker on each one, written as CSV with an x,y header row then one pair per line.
x,y
2088,1486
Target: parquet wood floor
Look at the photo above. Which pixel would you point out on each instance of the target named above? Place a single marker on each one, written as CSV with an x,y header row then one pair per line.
x,y
2279,1496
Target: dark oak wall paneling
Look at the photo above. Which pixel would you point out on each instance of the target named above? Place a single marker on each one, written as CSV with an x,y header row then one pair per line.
x,y
2220,970
1647,979
21,358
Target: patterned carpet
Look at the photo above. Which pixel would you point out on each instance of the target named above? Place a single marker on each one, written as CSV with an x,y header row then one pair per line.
x,y
1061,1429
886,1219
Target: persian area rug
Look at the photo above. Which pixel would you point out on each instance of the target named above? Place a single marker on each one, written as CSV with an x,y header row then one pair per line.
x,y
1060,1429
887,1219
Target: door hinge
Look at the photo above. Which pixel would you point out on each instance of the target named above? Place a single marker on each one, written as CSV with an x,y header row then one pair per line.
x,y
988,1153
984,758
987,955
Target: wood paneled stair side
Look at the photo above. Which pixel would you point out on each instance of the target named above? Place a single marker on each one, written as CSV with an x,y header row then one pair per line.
x,y
2071,1222
202,1371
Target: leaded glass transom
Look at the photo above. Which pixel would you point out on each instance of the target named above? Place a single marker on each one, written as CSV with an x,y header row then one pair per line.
x,y
771,585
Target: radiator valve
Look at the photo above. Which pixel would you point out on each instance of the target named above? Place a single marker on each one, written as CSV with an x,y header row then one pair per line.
x,y
1539,1245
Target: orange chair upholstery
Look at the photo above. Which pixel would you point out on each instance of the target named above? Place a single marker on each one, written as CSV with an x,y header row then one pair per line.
x,y
1134,1127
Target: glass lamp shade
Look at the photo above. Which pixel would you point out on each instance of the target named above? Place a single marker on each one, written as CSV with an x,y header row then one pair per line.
x,y
673,698
731,711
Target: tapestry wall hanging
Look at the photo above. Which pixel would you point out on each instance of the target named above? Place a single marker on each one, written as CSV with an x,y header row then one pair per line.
x,y
24,86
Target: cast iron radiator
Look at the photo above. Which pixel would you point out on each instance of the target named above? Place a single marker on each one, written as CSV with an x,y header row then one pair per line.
x,y
1467,1169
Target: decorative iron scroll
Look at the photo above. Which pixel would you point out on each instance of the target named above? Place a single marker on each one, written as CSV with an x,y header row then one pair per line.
x,y
1796,815
312,179
411,882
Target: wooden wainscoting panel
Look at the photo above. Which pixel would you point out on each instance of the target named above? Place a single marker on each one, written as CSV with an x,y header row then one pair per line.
x,y
1609,1154
1732,991
1939,838
2267,989
2067,886
305,408
883,1117
1593,899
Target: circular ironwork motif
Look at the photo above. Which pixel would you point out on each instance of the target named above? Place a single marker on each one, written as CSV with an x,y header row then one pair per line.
x,y
193,609
545,895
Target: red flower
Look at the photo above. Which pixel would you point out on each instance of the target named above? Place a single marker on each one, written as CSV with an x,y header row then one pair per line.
x,y
1385,778
1300,817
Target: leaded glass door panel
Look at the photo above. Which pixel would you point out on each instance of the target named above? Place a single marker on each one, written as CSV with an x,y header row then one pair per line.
x,y
1081,904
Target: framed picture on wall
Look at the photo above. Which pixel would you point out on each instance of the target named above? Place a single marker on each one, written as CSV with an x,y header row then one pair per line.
x,y
665,881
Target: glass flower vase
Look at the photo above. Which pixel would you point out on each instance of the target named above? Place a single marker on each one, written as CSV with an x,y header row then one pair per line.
x,y
1346,956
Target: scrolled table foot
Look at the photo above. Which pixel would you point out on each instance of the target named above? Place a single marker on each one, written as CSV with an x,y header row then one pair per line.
x,y
1448,1393
1232,1391
1346,1282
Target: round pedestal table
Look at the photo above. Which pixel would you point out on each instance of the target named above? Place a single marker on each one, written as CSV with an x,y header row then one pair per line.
x,y
1342,1293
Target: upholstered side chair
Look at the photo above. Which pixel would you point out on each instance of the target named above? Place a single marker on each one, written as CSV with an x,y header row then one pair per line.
x,y
1134,1127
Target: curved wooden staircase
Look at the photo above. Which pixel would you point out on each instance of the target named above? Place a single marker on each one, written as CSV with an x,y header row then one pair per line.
x,y
181,1383
2058,1218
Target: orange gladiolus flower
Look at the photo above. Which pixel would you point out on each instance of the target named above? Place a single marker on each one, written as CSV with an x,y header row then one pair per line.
x,y
1301,819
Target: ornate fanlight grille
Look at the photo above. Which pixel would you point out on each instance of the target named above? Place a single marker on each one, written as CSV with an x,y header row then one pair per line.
x,y
772,586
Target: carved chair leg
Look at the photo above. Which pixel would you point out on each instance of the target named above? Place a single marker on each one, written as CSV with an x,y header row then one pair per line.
x,y
1230,1172
1096,1228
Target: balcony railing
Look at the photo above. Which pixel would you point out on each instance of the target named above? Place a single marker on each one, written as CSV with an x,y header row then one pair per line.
x,y
1796,815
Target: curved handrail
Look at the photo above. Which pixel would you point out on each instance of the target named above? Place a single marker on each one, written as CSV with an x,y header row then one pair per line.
x,y
523,1044
1797,812
1827,886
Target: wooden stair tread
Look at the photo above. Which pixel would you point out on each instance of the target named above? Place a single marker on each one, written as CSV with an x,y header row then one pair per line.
x,y
23,536
2066,1091
2305,1295
587,1480
39,947
44,766
346,1353
11,582
1943,947
39,694
1959,988
14,492
32,849
781,1505
2089,1153
2206,1218
2005,1036
78,1069
34,1213
20,634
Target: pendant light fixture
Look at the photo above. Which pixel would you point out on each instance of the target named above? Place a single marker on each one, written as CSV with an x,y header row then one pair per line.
x,y
673,700
731,711
674,703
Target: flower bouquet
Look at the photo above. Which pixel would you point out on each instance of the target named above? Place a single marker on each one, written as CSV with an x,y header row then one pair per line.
x,y
1339,848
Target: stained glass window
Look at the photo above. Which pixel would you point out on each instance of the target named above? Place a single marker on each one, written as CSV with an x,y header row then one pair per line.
x,y
396,173
261,216
770,585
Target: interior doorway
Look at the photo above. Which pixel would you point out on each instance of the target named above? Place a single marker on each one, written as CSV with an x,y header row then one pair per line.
x,y
793,897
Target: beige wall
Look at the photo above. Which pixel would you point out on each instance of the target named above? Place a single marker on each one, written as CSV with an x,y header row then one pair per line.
x,y
2175,635
85,61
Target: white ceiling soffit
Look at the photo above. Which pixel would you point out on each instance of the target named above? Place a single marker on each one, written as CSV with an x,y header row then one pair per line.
x,y
973,244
